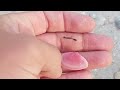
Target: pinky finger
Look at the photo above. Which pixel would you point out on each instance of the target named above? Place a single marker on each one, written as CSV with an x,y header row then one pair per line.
x,y
84,74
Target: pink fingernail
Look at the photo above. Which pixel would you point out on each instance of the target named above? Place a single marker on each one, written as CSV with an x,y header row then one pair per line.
x,y
74,61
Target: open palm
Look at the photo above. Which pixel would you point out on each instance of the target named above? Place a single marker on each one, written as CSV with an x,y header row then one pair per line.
x,y
68,31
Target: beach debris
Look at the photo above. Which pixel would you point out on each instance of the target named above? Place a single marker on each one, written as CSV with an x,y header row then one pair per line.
x,y
70,38
117,22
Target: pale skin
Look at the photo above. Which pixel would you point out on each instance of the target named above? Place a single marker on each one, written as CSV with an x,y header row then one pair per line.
x,y
56,45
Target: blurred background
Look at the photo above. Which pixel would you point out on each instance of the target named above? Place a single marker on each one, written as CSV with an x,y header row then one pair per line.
x,y
108,23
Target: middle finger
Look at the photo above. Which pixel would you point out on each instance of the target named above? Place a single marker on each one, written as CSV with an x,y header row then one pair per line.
x,y
69,42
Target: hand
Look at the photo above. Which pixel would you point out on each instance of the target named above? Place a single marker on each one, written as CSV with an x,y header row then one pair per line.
x,y
57,28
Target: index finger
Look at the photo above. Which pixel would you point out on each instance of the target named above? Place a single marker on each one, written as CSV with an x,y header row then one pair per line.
x,y
41,22
69,22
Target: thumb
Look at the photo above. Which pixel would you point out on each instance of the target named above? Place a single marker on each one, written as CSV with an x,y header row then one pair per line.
x,y
73,61
24,56
52,58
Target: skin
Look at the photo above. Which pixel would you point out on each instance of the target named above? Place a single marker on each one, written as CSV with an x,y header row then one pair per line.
x,y
40,37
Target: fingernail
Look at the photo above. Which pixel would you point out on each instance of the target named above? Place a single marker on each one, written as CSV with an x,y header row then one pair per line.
x,y
74,61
